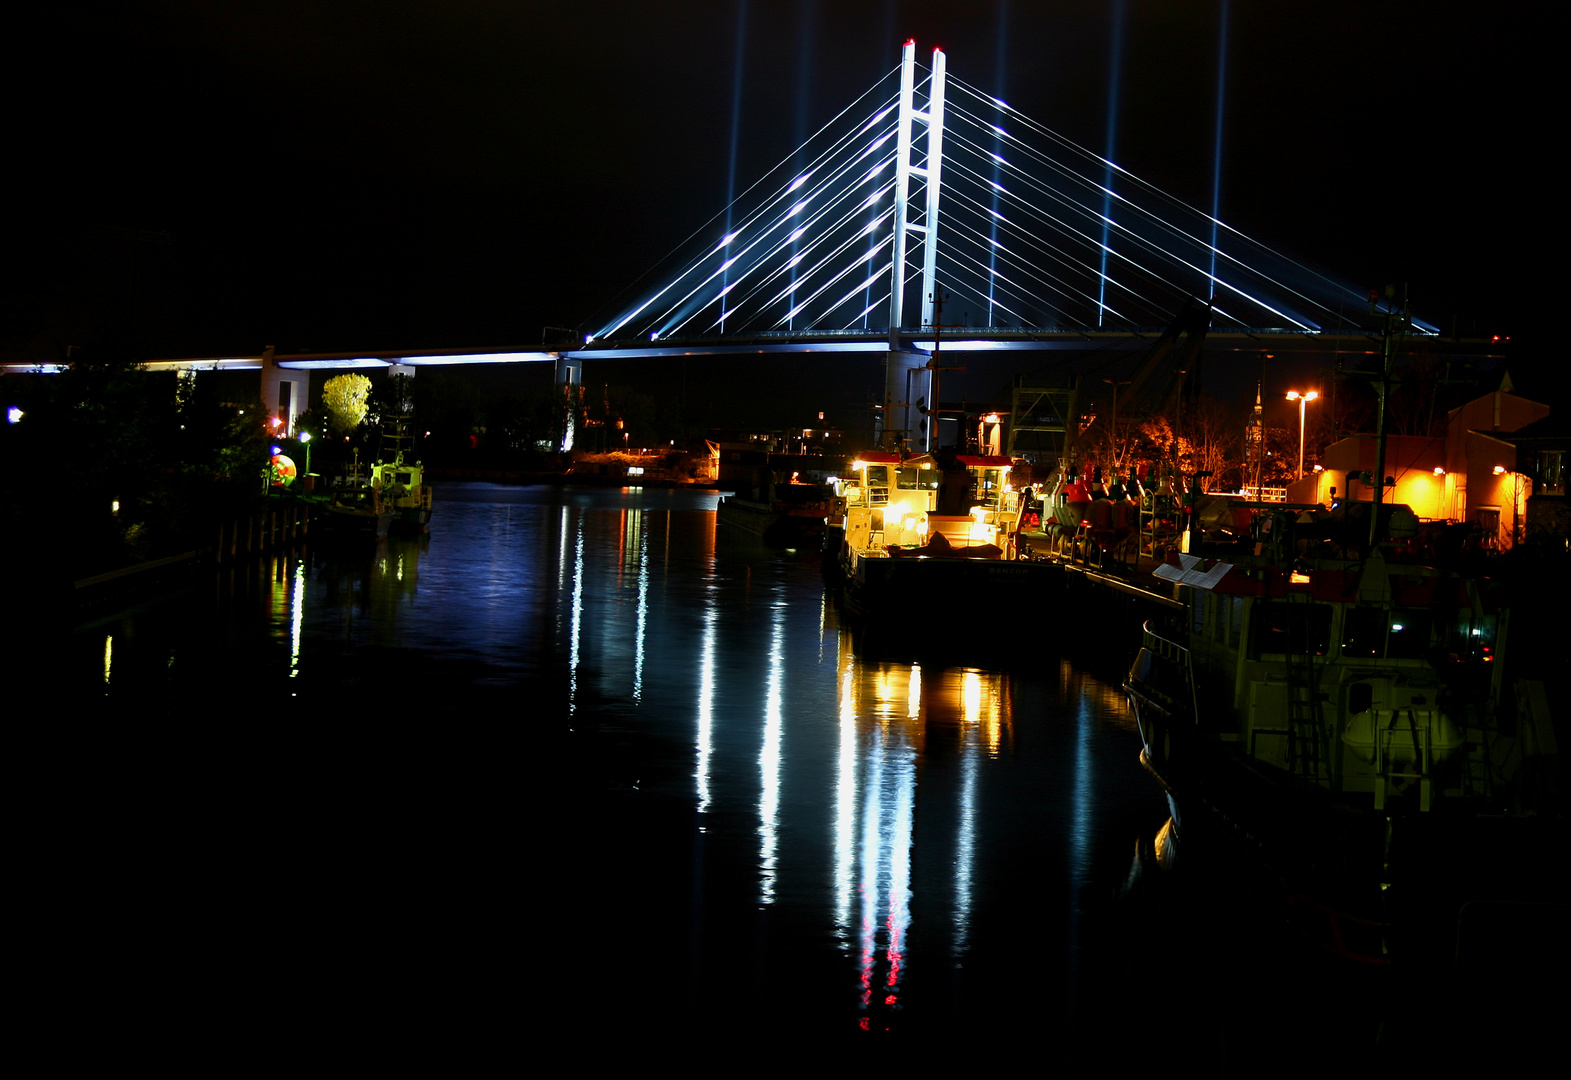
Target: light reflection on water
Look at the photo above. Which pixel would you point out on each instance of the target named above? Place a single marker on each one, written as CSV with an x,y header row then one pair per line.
x,y
747,800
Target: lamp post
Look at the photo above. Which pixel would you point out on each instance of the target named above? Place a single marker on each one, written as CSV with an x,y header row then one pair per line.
x,y
1302,399
1112,430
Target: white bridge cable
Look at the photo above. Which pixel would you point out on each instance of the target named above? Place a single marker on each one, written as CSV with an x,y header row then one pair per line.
x,y
788,159
863,255
817,240
1097,186
823,182
1017,218
813,270
798,204
1064,227
1014,262
1147,243
1057,225
1003,284
844,272
1029,239
824,235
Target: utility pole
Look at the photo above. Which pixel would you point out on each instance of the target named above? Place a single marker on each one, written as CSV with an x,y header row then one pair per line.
x,y
1393,325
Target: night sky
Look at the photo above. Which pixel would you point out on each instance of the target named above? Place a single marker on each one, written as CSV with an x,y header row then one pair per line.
x,y
200,178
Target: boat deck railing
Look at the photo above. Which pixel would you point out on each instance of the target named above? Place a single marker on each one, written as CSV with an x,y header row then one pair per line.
x,y
1175,654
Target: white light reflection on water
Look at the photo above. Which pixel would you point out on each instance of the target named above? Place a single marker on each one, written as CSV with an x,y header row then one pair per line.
x,y
965,840
643,604
879,866
769,758
888,714
578,613
706,699
296,619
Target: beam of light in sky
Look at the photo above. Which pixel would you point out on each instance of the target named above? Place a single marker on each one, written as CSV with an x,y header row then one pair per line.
x,y
1216,159
1060,221
797,279
1000,50
1034,243
1015,288
1114,84
824,234
1170,255
736,117
612,327
1047,132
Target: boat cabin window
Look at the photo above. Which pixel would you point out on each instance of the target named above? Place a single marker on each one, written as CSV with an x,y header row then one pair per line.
x,y
877,484
987,485
1472,638
1409,635
1290,627
1377,632
1364,632
914,479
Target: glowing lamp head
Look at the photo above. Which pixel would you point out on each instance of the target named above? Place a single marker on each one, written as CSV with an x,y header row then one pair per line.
x,y
1499,470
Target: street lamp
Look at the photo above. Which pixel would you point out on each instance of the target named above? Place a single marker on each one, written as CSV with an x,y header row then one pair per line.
x,y
1302,399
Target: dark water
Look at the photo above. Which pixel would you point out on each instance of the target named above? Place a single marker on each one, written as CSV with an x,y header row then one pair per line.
x,y
583,767
585,758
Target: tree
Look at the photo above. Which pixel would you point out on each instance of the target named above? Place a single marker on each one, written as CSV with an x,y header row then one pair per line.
x,y
345,398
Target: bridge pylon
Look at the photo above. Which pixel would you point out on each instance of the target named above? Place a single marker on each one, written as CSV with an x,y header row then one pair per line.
x,y
904,389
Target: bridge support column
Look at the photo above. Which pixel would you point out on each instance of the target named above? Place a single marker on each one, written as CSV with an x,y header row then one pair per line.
x,y
907,385
570,377
283,393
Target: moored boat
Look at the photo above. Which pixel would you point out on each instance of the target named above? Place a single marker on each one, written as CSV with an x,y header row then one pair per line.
x,y
925,538
358,505
1342,715
403,487
788,514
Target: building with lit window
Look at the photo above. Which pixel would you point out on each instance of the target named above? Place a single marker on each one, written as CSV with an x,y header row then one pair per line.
x,y
1475,472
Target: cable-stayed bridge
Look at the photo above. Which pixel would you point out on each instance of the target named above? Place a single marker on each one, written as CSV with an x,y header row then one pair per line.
x,y
927,181
927,212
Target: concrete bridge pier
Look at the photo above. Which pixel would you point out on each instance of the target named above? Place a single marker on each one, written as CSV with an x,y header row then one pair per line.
x,y
283,392
570,377
907,387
